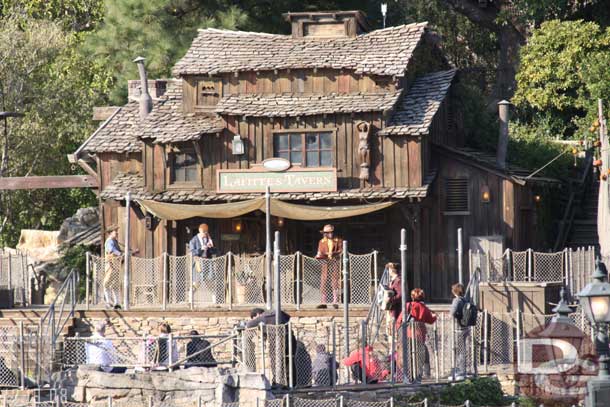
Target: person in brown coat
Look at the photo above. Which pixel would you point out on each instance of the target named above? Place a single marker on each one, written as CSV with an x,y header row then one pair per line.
x,y
330,249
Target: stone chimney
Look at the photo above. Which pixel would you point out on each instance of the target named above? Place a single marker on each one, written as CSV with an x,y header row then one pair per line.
x,y
504,115
145,99
327,24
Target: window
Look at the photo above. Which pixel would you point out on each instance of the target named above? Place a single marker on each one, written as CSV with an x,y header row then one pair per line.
x,y
185,166
456,196
209,91
310,149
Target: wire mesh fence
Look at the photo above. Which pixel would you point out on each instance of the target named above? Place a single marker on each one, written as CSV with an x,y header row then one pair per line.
x,y
147,352
231,279
572,267
15,277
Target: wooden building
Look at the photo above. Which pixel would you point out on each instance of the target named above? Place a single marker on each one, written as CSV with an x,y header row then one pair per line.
x,y
371,111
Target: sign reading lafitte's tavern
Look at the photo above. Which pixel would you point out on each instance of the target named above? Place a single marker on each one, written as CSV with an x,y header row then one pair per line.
x,y
293,180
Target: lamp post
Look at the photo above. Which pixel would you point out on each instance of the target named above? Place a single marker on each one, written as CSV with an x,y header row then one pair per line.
x,y
595,301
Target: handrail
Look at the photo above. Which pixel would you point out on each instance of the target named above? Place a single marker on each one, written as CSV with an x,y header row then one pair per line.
x,y
55,324
574,201
207,348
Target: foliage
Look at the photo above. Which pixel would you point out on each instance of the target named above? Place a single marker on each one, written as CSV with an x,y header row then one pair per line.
x,y
159,30
75,257
74,15
46,79
564,69
481,391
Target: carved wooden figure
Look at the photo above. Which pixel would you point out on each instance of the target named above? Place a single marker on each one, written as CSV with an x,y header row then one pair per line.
x,y
364,130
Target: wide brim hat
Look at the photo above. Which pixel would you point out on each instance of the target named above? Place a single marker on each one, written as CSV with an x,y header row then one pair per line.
x,y
112,228
327,229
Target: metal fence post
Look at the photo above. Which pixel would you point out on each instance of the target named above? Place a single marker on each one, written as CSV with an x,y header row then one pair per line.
x,y
453,349
333,367
393,352
109,401
460,252
403,305
87,278
518,323
165,279
412,352
485,339
127,256
9,283
375,276
190,259
200,402
473,349
341,401
262,344
363,349
299,272
230,278
290,357
345,297
530,264
150,401
391,401
426,402
21,356
436,364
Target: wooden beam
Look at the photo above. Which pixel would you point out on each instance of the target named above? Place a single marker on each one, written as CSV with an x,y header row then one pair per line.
x,y
50,182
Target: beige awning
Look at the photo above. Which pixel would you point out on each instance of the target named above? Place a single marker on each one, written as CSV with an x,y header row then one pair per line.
x,y
170,211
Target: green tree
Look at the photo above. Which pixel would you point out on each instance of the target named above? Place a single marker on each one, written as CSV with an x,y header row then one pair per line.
x,y
46,79
159,30
564,70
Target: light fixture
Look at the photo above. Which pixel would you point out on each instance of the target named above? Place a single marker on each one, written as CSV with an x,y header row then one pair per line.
x,y
237,227
595,297
485,194
537,198
595,302
238,145
280,222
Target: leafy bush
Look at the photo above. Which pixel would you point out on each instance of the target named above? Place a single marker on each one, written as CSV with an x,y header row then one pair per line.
x,y
481,391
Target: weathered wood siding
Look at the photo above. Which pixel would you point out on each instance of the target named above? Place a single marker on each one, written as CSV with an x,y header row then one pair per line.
x,y
395,161
509,212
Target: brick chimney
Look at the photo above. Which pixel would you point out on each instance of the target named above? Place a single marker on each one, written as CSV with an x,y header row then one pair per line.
x,y
327,24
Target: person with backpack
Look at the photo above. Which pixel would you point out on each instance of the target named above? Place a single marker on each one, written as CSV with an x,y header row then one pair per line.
x,y
464,313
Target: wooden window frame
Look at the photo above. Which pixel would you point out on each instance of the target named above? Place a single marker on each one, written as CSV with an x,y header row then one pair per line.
x,y
199,107
303,133
171,152
446,196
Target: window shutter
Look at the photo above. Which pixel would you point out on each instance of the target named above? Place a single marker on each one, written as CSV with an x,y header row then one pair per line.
x,y
456,198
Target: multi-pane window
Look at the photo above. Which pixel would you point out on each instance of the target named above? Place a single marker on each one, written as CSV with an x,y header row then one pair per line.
x,y
309,149
184,166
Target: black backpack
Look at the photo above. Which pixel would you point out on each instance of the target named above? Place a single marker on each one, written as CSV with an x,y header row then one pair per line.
x,y
469,314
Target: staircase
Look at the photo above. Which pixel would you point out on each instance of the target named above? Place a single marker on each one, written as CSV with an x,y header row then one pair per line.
x,y
583,231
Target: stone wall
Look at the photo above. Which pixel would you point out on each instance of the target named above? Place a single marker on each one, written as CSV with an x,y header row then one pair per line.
x,y
180,388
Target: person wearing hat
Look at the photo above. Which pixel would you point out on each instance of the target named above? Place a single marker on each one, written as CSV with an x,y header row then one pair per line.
x,y
330,249
112,269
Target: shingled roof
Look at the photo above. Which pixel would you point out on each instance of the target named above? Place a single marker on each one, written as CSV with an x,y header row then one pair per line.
x,y
414,114
168,124
380,52
118,134
304,105
124,182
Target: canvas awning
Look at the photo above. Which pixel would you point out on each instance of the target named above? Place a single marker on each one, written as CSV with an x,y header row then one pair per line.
x,y
170,211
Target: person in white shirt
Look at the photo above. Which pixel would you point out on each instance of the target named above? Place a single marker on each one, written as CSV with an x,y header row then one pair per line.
x,y
100,350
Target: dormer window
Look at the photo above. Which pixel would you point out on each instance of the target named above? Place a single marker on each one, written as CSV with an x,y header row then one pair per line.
x,y
184,166
209,91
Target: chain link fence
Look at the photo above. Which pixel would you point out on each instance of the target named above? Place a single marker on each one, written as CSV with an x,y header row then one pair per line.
x,y
231,279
